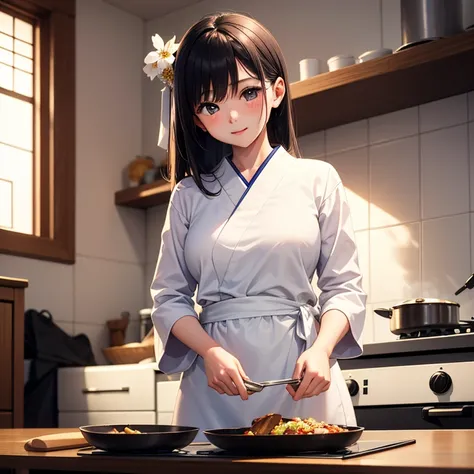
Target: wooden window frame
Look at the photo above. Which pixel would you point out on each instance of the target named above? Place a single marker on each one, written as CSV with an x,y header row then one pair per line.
x,y
55,196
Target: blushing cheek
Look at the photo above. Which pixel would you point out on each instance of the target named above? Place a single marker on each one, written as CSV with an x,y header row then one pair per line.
x,y
256,104
212,121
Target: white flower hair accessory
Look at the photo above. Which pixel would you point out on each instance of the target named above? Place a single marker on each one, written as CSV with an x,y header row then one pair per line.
x,y
159,63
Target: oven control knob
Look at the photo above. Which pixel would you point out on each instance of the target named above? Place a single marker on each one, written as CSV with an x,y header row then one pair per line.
x,y
440,382
353,387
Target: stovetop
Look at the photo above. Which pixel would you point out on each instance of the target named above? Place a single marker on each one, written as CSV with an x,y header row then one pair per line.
x,y
207,450
433,332
434,343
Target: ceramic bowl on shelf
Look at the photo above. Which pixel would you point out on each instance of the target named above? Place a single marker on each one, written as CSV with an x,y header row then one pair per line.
x,y
376,53
340,61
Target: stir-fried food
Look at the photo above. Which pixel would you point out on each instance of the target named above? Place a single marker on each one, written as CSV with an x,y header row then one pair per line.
x,y
126,430
301,426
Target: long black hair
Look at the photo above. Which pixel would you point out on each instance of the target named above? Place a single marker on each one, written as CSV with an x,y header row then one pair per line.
x,y
206,60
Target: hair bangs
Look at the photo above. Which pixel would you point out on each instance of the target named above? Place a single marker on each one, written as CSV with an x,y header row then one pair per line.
x,y
211,67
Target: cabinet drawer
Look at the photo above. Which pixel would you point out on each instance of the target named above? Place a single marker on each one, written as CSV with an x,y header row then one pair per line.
x,y
6,420
166,394
76,419
107,388
165,418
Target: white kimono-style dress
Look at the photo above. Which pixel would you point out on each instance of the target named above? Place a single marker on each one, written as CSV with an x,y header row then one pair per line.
x,y
252,253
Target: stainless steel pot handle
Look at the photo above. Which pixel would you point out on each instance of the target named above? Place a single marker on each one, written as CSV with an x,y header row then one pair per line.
x,y
384,312
461,412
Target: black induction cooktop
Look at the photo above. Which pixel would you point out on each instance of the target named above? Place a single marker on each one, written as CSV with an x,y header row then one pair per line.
x,y
206,450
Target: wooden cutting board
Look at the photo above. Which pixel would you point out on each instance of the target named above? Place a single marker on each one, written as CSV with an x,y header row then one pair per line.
x,y
57,441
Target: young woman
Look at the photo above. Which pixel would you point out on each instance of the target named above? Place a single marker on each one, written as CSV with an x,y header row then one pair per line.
x,y
249,226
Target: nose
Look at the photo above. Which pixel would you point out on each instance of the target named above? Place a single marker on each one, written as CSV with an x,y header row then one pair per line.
x,y
233,116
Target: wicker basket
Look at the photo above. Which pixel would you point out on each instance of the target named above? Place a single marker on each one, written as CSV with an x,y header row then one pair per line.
x,y
129,353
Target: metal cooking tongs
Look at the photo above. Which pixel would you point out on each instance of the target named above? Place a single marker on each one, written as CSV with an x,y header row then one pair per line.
x,y
259,386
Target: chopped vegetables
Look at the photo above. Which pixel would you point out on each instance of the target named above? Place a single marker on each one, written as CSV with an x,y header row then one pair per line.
x,y
306,426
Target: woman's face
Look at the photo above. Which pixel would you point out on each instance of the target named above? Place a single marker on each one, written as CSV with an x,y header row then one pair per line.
x,y
239,119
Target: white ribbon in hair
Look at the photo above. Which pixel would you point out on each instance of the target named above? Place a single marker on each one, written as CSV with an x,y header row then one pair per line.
x,y
164,133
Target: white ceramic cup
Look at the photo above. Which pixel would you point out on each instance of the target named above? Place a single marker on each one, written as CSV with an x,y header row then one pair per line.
x,y
340,61
309,67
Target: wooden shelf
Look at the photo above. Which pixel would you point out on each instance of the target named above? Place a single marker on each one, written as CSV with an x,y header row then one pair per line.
x,y
145,195
415,76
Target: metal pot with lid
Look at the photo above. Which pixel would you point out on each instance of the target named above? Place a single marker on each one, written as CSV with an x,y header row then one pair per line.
x,y
421,313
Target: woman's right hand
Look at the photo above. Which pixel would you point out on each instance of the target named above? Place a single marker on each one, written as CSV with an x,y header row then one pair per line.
x,y
224,373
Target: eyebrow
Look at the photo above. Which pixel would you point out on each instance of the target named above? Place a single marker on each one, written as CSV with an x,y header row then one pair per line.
x,y
246,79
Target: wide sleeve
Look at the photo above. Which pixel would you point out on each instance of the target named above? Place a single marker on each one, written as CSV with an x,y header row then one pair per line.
x,y
172,290
339,276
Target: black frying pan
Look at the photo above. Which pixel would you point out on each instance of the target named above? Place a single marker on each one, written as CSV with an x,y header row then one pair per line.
x,y
235,440
152,438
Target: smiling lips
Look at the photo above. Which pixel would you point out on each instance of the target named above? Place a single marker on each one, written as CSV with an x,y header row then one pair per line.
x,y
239,132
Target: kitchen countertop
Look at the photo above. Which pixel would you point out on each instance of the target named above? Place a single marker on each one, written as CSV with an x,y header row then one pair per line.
x,y
435,452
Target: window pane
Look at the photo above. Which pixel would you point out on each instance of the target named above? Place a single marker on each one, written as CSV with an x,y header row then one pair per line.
x,y
16,122
6,57
6,24
17,166
6,77
23,83
6,42
6,204
23,31
24,49
23,63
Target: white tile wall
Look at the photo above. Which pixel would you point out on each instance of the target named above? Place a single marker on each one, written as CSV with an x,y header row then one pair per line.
x,y
401,123
443,113
312,145
446,255
345,137
394,182
352,166
444,172
421,191
394,263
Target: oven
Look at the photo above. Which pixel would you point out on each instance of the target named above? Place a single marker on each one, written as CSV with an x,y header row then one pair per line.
x,y
411,385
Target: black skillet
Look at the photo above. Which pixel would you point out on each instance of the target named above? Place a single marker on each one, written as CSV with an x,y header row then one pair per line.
x,y
163,438
234,440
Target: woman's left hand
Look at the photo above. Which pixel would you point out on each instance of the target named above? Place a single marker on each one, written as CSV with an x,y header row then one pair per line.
x,y
313,365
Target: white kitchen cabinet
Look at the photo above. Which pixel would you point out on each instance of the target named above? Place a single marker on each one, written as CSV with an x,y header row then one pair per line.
x,y
115,394
166,393
82,418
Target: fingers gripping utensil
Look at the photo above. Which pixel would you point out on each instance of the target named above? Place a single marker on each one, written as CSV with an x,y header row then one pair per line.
x,y
255,387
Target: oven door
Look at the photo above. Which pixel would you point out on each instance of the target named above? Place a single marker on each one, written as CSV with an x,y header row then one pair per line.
x,y
417,417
